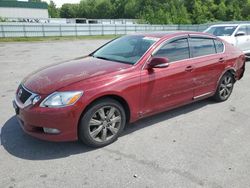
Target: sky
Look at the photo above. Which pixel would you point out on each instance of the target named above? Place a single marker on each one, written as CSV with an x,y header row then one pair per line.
x,y
59,3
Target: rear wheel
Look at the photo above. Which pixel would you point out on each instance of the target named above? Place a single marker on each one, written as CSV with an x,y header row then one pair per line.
x,y
225,87
102,123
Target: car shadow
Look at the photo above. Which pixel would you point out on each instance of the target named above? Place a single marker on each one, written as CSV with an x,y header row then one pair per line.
x,y
21,145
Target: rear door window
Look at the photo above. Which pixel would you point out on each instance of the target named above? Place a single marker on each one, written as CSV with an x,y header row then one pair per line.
x,y
243,28
248,29
174,51
202,46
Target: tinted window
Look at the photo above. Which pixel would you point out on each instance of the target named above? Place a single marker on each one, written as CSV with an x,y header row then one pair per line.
x,y
242,29
248,29
201,47
174,51
221,30
127,49
219,46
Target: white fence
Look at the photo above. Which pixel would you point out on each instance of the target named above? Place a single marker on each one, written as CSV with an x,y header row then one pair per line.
x,y
12,29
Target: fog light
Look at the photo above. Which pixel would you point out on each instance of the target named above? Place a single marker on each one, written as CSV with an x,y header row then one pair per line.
x,y
51,131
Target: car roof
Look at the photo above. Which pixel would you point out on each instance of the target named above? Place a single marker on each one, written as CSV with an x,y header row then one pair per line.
x,y
173,34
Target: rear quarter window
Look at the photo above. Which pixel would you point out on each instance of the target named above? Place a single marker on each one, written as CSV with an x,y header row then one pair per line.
x,y
219,46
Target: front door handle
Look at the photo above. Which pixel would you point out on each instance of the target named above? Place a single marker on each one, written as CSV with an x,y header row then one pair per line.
x,y
189,68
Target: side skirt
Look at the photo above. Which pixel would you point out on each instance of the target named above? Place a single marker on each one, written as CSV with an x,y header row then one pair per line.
x,y
203,95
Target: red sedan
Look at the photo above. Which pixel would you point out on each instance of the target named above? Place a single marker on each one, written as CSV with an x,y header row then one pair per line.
x,y
131,77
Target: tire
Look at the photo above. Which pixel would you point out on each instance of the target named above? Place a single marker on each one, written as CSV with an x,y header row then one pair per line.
x,y
225,87
102,123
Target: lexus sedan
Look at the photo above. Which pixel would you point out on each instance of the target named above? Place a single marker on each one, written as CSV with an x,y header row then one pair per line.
x,y
235,34
131,77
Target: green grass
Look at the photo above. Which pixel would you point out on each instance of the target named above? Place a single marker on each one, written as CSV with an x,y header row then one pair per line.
x,y
37,39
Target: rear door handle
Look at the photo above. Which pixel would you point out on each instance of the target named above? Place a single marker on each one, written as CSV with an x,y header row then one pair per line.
x,y
189,68
221,60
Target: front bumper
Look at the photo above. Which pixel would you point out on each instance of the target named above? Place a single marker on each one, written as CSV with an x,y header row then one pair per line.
x,y
34,118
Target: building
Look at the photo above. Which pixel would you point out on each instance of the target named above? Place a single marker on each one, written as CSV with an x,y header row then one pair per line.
x,y
21,9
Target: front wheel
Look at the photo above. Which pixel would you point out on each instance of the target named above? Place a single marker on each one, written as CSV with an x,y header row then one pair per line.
x,y
102,123
225,87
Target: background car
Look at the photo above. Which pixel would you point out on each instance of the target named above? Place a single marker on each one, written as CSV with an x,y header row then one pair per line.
x,y
131,77
235,34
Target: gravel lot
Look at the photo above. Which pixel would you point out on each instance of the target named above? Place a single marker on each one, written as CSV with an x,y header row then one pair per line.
x,y
204,144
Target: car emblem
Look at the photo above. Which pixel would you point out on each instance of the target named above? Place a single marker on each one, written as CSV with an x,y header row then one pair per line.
x,y
19,93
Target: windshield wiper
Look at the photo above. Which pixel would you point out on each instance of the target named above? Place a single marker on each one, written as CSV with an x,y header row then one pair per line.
x,y
108,59
99,57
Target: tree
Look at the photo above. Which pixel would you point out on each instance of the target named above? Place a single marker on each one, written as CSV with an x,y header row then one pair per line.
x,y
68,10
118,7
35,1
131,9
199,12
233,10
82,10
246,11
178,12
221,12
103,9
164,12
53,11
158,11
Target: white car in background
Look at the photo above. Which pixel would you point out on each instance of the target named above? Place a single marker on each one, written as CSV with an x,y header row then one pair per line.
x,y
236,34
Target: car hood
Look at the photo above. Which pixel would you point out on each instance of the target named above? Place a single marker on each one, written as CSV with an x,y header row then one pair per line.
x,y
52,78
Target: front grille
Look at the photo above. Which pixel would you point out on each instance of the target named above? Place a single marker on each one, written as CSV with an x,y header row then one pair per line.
x,y
23,94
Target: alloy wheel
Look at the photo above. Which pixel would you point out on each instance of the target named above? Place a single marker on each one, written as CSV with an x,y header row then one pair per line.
x,y
226,87
105,123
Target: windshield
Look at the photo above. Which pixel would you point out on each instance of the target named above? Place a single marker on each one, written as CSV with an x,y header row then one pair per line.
x,y
127,49
221,30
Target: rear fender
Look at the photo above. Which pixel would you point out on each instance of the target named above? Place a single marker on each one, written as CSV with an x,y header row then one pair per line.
x,y
241,72
231,70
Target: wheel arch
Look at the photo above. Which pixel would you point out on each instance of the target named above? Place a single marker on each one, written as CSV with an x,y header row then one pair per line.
x,y
233,72
230,70
216,95
118,98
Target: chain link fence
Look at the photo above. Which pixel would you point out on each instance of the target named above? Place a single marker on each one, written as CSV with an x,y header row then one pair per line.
x,y
11,29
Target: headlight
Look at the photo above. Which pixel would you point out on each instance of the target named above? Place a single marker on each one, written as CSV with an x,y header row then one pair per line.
x,y
61,99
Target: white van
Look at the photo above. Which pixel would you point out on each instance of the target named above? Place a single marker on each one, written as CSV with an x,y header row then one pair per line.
x,y
236,34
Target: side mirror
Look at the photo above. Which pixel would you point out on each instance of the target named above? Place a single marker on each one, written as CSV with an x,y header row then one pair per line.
x,y
158,62
240,33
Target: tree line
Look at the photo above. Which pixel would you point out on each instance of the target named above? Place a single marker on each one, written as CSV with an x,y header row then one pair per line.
x,y
156,11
